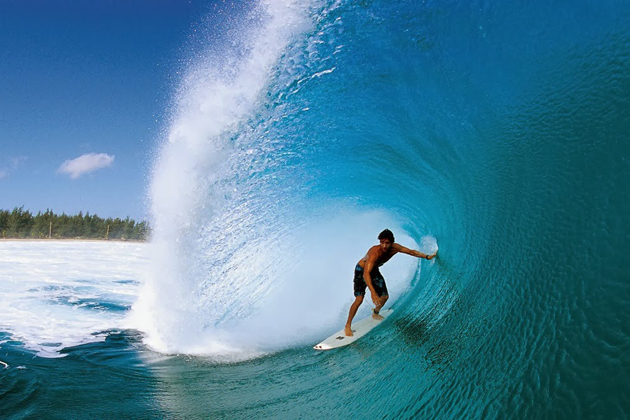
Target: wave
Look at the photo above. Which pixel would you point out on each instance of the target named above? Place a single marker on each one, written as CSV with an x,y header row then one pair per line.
x,y
484,127
250,257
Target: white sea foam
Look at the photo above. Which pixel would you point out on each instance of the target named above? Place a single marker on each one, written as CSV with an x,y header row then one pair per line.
x,y
58,294
218,93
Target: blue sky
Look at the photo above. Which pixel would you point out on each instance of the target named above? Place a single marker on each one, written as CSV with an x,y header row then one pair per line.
x,y
89,80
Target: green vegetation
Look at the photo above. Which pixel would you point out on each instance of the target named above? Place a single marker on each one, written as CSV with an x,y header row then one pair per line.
x,y
21,223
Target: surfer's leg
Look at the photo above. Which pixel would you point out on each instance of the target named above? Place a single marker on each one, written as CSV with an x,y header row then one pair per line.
x,y
359,294
353,311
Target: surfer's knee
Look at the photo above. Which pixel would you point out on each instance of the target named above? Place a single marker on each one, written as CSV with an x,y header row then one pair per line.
x,y
359,299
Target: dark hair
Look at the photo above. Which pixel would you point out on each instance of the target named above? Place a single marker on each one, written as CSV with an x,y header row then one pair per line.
x,y
386,234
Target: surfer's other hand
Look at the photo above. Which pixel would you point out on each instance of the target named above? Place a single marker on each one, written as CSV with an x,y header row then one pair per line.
x,y
430,257
376,299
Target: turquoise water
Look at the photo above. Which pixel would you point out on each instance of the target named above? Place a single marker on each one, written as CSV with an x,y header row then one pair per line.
x,y
500,130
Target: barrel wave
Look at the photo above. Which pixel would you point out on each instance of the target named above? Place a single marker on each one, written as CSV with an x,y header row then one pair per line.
x,y
302,129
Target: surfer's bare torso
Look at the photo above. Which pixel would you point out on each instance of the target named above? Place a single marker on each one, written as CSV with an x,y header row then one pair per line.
x,y
378,255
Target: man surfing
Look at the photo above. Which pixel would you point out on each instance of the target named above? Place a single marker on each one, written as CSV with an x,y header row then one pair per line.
x,y
367,274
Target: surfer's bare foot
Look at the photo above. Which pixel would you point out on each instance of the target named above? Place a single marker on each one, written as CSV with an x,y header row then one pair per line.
x,y
377,316
348,331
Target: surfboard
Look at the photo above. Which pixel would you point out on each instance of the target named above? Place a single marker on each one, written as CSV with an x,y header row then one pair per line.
x,y
359,329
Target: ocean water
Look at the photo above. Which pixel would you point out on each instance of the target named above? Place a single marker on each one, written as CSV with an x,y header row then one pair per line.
x,y
496,132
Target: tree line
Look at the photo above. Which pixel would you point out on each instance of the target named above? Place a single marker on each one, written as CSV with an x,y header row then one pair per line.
x,y
20,223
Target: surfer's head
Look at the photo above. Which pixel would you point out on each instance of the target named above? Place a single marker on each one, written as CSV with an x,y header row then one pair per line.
x,y
386,238
386,234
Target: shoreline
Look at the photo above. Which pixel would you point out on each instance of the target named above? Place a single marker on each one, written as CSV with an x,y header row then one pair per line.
x,y
70,240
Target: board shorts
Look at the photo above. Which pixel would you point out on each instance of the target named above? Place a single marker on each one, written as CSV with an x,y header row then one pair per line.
x,y
377,281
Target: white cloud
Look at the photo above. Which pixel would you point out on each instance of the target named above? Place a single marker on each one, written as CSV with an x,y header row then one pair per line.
x,y
87,163
15,163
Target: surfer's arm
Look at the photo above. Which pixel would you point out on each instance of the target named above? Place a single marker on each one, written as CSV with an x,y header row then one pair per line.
x,y
369,266
367,274
412,252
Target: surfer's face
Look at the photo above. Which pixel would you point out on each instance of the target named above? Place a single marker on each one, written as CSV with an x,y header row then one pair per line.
x,y
385,245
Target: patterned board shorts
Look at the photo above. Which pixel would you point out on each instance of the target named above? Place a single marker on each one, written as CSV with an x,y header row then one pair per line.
x,y
377,281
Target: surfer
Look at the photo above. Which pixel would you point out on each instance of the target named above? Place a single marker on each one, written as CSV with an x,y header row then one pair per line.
x,y
367,274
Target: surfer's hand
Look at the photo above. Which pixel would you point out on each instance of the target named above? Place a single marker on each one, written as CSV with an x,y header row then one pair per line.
x,y
376,299
430,257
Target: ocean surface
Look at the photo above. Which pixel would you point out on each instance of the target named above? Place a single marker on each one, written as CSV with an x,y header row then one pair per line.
x,y
496,132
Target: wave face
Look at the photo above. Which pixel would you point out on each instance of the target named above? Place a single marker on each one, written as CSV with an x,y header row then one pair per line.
x,y
500,130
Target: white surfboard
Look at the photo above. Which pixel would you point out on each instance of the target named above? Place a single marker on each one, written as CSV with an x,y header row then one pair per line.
x,y
359,329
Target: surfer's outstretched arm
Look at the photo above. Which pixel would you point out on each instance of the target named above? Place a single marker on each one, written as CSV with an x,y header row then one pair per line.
x,y
400,248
